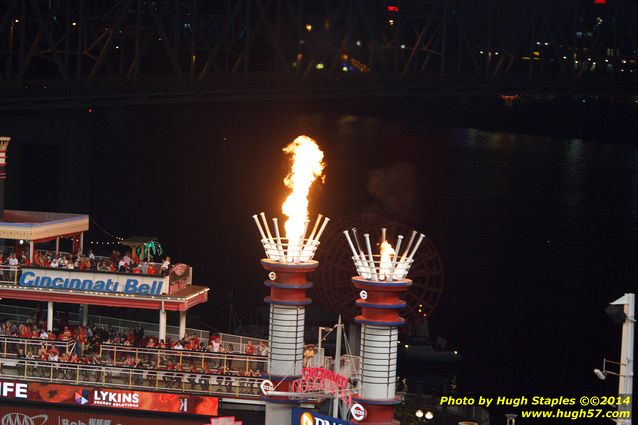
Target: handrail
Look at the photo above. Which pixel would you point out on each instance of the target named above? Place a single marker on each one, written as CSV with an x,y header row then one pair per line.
x,y
228,360
11,272
134,378
238,341
61,254
17,342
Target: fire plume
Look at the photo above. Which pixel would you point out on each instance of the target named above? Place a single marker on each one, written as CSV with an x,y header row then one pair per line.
x,y
385,265
307,166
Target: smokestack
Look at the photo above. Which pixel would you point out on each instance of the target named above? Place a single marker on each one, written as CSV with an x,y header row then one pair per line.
x,y
288,263
382,282
4,145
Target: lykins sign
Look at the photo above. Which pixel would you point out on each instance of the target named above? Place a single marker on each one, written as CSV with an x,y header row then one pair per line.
x,y
92,281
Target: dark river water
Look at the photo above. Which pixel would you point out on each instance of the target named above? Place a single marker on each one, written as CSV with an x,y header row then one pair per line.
x,y
536,234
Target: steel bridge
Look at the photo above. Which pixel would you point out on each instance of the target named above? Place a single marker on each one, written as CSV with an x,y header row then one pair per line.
x,y
74,52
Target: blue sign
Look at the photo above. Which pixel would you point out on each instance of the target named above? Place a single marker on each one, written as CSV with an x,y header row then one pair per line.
x,y
130,286
308,417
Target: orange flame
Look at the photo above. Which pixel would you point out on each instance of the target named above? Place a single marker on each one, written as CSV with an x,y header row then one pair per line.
x,y
387,255
307,165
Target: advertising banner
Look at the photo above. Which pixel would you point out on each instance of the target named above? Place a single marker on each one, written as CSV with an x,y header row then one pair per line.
x,y
134,284
308,417
21,414
112,398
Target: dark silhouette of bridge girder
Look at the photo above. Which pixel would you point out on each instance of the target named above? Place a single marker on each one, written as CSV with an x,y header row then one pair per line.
x,y
182,49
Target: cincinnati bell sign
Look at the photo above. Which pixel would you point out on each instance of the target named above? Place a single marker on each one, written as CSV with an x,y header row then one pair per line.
x,y
92,281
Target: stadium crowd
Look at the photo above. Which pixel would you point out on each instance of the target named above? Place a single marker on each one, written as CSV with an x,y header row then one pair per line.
x,y
168,368
117,262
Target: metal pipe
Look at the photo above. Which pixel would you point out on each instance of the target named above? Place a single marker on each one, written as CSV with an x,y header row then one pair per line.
x,y
416,246
373,269
263,218
261,231
407,248
396,255
323,227
345,232
280,248
314,229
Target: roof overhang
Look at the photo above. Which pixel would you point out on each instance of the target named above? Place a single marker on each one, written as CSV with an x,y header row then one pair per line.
x,y
183,300
35,225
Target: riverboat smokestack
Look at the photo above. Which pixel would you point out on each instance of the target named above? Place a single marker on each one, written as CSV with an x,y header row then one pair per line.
x,y
289,260
382,281
4,146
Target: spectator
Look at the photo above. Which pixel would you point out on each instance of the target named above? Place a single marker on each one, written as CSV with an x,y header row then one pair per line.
x,y
216,344
308,354
249,350
166,265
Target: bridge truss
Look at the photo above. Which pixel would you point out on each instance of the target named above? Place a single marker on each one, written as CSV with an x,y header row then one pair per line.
x,y
131,46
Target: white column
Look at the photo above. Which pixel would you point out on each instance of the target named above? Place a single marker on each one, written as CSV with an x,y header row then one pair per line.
x,y
31,251
85,314
81,243
182,324
625,380
162,325
286,341
378,361
50,316
57,246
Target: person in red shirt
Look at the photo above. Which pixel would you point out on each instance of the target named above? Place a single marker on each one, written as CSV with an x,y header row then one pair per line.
x,y
130,361
162,344
195,342
66,335
192,378
250,348
205,378
24,331
169,378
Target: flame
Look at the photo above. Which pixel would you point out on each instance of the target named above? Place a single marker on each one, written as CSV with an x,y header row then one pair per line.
x,y
307,165
387,255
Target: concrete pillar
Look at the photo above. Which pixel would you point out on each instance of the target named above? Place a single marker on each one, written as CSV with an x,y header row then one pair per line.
x,y
162,325
57,246
85,314
81,242
50,316
182,324
31,251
